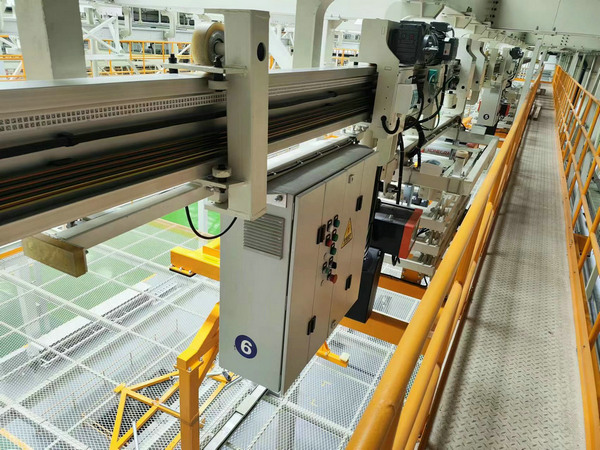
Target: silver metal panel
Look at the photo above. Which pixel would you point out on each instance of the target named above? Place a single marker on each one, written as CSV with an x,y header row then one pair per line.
x,y
353,222
302,280
323,290
514,382
360,227
259,284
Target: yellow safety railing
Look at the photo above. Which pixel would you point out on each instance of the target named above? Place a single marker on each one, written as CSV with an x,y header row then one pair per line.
x,y
577,112
146,56
388,422
17,61
341,56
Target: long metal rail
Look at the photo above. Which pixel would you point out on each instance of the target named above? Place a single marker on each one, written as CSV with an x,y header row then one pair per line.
x,y
126,137
48,187
577,112
388,422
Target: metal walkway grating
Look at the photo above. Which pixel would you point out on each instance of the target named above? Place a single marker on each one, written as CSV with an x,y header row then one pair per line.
x,y
66,343
514,381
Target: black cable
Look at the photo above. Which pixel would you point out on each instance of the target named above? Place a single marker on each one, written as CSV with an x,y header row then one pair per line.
x,y
422,138
422,98
441,104
202,236
385,127
439,108
422,230
400,167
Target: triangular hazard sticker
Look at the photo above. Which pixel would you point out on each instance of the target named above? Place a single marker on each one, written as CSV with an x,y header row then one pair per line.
x,y
347,234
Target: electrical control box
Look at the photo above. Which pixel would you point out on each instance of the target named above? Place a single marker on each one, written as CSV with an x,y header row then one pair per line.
x,y
289,277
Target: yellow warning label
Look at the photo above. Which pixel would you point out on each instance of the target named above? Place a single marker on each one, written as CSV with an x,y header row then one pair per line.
x,y
347,234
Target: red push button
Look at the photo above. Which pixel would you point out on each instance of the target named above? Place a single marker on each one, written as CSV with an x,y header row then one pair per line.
x,y
333,278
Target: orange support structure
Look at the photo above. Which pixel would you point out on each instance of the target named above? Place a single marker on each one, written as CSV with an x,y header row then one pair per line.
x,y
205,262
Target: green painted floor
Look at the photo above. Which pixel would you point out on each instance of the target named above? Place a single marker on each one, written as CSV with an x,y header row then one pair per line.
x,y
114,267
179,217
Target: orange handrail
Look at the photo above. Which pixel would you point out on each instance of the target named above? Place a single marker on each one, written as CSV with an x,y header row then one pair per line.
x,y
387,421
342,55
577,112
13,77
161,51
139,54
15,58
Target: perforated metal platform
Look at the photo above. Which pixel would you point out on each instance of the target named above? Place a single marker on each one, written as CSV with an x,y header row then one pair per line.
x,y
66,343
514,382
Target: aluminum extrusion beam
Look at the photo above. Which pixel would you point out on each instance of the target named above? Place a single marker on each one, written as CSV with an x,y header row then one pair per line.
x,y
72,148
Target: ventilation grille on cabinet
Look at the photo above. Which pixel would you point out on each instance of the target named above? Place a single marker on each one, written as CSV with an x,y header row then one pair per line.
x,y
265,235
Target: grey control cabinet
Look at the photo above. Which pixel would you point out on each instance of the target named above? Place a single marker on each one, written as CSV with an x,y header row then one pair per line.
x,y
289,277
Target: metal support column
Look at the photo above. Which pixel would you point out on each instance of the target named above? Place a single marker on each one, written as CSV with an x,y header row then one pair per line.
x,y
326,59
580,67
51,39
309,32
278,50
2,9
588,77
93,44
573,65
529,76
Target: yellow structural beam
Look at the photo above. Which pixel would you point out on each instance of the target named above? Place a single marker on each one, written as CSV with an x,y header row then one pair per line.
x,y
14,440
379,326
204,261
193,364
326,353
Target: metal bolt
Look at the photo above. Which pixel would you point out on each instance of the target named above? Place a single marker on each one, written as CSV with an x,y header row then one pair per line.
x,y
279,198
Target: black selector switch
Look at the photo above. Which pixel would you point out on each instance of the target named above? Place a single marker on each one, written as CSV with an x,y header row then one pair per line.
x,y
336,221
359,202
321,233
329,224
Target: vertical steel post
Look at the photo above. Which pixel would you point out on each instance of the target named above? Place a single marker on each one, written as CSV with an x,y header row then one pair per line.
x,y
573,64
529,75
309,32
51,39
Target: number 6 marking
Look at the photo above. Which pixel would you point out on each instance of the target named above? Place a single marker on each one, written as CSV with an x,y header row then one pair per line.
x,y
245,346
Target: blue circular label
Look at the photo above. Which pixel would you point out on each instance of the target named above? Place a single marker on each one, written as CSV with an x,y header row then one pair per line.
x,y
245,346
